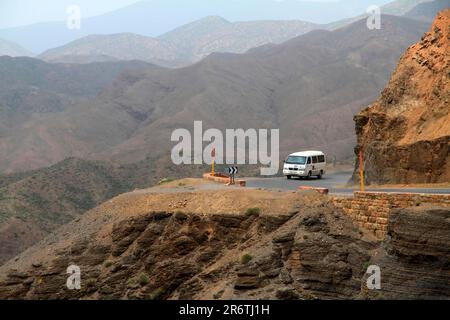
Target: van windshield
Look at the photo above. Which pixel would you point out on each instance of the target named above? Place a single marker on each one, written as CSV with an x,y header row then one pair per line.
x,y
296,160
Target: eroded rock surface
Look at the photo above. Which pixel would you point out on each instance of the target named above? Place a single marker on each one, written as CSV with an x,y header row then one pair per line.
x,y
415,259
405,135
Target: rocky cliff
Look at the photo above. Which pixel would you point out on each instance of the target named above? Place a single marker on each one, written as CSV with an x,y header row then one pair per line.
x,y
405,134
233,245
202,248
415,260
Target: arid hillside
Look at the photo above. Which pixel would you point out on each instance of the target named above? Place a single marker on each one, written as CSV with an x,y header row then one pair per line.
x,y
405,135
35,203
32,99
182,242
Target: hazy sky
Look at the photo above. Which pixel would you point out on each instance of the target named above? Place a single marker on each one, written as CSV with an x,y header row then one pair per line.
x,y
25,12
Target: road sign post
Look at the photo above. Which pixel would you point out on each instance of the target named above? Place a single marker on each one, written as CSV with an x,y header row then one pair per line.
x,y
232,171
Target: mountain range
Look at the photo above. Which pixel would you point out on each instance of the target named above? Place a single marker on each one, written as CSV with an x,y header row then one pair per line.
x,y
308,87
192,42
156,17
275,21
182,46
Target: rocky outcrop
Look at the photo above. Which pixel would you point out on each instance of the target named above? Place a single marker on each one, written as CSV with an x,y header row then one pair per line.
x,y
415,260
312,252
405,135
308,250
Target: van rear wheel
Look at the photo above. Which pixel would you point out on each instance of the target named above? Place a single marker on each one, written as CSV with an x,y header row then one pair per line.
x,y
319,176
309,175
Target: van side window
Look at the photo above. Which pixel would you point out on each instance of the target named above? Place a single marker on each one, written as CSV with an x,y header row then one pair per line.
x,y
321,159
309,160
314,159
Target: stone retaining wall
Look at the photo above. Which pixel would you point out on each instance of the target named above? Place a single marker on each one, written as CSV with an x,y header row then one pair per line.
x,y
370,210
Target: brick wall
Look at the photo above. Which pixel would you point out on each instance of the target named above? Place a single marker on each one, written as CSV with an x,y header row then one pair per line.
x,y
370,210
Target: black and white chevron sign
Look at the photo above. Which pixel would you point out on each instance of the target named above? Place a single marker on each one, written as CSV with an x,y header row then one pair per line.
x,y
233,170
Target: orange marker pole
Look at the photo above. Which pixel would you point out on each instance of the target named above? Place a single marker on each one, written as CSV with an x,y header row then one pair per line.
x,y
213,155
361,170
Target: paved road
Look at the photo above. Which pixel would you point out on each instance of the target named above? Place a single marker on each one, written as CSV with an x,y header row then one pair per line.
x,y
332,181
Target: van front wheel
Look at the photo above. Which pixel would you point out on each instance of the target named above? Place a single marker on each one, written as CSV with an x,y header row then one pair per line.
x,y
309,175
288,177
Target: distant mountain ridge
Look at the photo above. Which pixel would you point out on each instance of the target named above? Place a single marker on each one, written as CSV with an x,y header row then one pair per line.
x,y
156,17
215,34
192,42
401,7
124,46
183,46
146,18
427,11
396,8
8,48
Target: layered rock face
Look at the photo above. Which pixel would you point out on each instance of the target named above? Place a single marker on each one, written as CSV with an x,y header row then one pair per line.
x,y
415,260
405,135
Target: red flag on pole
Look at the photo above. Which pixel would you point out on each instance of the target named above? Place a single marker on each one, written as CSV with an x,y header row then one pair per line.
x,y
213,152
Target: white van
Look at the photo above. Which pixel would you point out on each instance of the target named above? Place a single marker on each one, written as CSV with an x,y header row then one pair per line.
x,y
305,164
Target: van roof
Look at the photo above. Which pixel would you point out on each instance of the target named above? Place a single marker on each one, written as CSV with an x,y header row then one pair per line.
x,y
308,154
